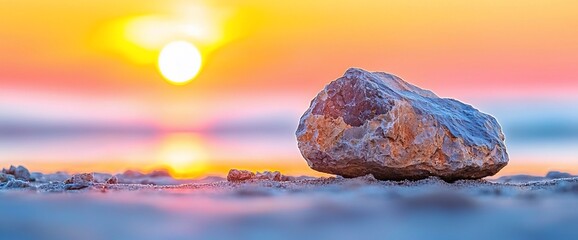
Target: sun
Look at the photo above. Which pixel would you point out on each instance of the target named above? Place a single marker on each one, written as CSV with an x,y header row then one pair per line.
x,y
179,62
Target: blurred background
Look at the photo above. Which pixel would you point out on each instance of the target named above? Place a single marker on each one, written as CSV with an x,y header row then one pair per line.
x,y
88,85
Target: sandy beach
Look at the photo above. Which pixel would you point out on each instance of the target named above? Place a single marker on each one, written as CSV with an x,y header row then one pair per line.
x,y
315,208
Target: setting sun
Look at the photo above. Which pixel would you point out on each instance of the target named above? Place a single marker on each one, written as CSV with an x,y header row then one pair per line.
x,y
179,62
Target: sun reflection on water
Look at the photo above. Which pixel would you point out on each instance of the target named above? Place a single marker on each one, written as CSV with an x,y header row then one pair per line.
x,y
183,154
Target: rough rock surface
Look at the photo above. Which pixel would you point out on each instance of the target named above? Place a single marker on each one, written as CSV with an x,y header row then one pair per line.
x,y
22,173
112,180
83,178
242,175
273,176
19,172
239,175
267,175
376,123
9,170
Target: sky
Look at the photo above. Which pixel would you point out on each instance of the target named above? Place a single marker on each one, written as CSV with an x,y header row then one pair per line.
x,y
80,88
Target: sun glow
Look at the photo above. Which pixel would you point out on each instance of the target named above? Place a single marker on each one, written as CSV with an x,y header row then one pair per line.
x,y
151,40
183,154
179,62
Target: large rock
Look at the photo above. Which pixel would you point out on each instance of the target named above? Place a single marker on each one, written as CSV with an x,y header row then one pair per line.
x,y
376,123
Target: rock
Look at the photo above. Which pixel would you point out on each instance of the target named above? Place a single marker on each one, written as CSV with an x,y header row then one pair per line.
x,y
112,180
83,178
376,123
10,170
19,172
267,175
557,174
22,173
239,175
5,177
15,183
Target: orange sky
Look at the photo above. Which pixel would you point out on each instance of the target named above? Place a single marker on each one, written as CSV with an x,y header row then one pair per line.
x,y
299,45
83,61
